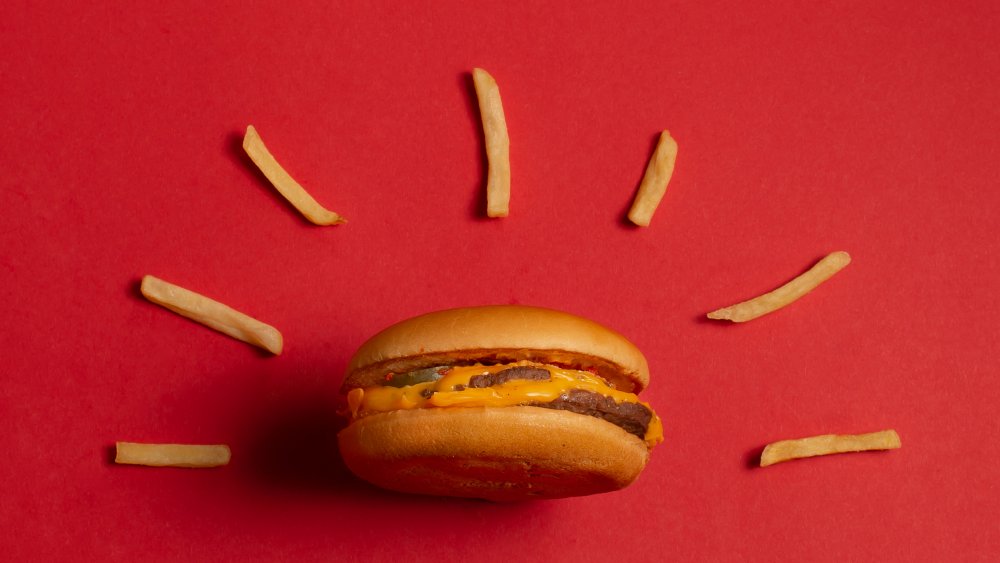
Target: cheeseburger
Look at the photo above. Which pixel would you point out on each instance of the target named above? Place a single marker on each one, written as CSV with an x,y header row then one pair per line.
x,y
500,403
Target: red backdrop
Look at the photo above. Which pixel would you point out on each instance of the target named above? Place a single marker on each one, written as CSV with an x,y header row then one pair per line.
x,y
803,129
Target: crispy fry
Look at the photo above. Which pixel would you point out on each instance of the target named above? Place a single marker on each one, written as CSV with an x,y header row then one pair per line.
x,y
212,314
654,182
786,294
285,184
827,444
171,455
497,144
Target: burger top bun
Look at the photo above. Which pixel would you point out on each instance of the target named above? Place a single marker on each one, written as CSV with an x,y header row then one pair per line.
x,y
498,334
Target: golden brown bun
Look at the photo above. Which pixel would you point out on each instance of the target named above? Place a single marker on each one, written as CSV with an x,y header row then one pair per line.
x,y
499,333
500,454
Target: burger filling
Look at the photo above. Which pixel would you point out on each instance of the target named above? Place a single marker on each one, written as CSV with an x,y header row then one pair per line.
x,y
521,383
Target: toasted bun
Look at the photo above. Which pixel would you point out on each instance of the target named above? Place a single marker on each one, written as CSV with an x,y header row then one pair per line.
x,y
498,333
500,454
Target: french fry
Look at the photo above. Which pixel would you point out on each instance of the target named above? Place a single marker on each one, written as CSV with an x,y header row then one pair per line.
x,y
827,444
285,184
497,144
171,455
654,182
212,314
786,294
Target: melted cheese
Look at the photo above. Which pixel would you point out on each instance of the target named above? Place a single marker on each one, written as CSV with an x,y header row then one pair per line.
x,y
452,390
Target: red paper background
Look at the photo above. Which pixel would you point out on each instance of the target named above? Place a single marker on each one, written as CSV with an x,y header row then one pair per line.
x,y
803,128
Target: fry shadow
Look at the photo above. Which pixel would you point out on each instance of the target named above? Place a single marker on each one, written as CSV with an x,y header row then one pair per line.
x,y
134,289
110,453
702,319
751,459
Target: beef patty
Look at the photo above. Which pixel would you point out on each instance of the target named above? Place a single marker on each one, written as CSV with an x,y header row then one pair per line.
x,y
503,376
632,417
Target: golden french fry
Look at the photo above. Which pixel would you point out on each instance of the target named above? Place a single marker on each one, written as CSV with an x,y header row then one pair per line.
x,y
786,294
171,455
827,444
654,182
212,314
284,183
497,144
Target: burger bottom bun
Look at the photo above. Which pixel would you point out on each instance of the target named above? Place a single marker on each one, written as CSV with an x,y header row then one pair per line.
x,y
493,453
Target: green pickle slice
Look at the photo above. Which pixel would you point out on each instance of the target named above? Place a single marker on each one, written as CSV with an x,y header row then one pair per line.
x,y
425,375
